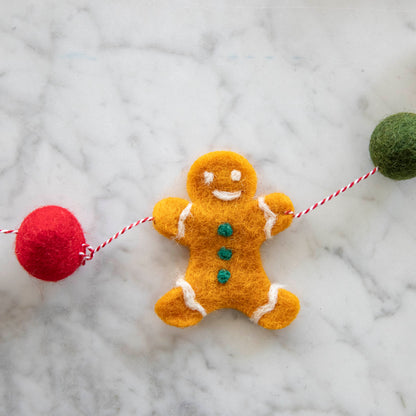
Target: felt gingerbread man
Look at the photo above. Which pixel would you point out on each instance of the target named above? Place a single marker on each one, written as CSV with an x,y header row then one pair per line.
x,y
224,228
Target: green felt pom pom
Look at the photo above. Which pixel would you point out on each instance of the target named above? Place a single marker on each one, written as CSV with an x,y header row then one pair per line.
x,y
393,146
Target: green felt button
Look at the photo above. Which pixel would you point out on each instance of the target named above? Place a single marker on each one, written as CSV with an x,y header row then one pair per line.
x,y
224,253
225,229
223,276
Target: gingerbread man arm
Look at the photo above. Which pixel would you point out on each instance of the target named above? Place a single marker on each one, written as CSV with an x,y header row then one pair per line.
x,y
169,217
274,207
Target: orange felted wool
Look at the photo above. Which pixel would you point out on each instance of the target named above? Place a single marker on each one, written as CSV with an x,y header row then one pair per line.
x,y
224,228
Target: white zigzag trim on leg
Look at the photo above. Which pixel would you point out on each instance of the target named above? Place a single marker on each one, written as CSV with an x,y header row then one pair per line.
x,y
269,306
189,296
269,215
181,223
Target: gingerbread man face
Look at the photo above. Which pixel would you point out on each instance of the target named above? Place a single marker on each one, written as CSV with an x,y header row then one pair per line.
x,y
220,177
224,227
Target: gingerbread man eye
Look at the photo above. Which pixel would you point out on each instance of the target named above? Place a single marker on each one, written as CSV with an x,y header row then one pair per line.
x,y
235,175
208,177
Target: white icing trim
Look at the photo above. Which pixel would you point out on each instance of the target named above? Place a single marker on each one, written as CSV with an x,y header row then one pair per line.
x,y
226,196
181,222
269,215
189,296
235,175
208,177
269,306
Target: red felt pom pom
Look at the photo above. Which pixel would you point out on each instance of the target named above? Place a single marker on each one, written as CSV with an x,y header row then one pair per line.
x,y
48,243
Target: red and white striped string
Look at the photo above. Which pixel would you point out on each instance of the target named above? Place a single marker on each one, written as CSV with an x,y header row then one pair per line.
x,y
9,231
335,194
89,251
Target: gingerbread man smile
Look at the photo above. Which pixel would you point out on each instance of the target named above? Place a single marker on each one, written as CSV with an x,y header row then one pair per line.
x,y
224,227
226,196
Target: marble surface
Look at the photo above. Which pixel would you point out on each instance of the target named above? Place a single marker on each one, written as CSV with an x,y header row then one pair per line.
x,y
104,106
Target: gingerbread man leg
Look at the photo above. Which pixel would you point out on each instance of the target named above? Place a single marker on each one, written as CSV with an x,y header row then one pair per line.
x,y
273,308
179,307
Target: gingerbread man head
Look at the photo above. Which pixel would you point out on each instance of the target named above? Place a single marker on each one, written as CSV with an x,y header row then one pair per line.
x,y
221,177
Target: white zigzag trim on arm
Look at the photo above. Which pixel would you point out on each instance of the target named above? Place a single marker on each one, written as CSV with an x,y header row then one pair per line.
x,y
181,223
269,306
189,296
269,215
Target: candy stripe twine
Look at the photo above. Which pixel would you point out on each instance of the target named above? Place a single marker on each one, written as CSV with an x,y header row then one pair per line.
x,y
9,231
90,251
328,198
89,256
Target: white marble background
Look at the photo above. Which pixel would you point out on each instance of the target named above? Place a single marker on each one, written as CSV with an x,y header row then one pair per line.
x,y
104,105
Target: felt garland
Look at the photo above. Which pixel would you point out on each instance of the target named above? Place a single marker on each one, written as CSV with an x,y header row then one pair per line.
x,y
223,226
